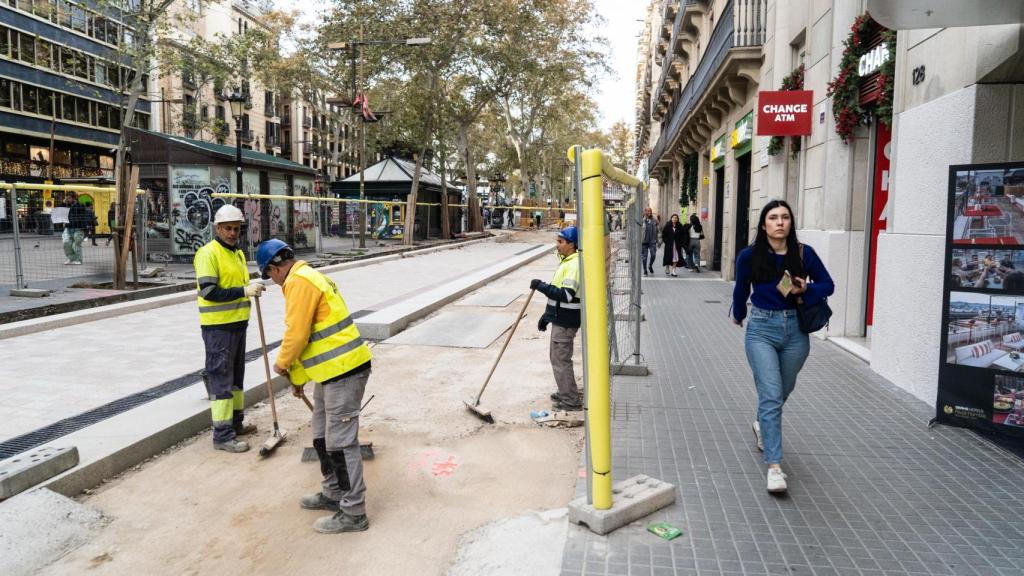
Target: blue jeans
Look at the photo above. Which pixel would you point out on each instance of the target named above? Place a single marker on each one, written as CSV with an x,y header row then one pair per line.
x,y
776,350
647,254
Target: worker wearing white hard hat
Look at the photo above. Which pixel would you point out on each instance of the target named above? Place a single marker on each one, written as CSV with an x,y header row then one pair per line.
x,y
222,279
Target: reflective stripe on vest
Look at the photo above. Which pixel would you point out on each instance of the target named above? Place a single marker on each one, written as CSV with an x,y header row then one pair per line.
x,y
227,268
564,305
334,345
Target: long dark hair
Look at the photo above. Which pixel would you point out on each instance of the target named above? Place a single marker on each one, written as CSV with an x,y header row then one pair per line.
x,y
695,224
763,266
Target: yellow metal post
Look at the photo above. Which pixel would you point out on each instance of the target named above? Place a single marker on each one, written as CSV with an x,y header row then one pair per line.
x,y
595,288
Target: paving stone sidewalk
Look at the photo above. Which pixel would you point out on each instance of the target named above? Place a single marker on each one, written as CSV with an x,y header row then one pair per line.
x,y
872,490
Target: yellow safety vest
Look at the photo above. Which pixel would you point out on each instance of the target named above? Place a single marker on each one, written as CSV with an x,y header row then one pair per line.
x,y
334,346
215,263
568,275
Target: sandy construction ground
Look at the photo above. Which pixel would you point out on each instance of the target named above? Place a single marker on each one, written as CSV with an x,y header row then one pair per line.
x,y
439,472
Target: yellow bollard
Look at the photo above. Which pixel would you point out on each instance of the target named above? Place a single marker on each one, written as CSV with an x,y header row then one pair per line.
x,y
595,285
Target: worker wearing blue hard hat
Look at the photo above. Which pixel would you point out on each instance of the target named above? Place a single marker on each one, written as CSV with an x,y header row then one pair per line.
x,y
563,313
322,345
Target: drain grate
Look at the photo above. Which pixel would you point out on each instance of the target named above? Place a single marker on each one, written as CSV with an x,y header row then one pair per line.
x,y
712,301
75,423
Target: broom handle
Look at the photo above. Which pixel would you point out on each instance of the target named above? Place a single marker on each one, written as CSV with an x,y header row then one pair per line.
x,y
266,363
505,345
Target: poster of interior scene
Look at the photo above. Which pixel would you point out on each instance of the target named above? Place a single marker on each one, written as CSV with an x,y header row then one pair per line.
x,y
988,268
988,205
191,207
981,364
1008,400
303,215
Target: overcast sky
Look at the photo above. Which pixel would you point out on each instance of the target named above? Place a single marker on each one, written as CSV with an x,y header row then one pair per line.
x,y
616,95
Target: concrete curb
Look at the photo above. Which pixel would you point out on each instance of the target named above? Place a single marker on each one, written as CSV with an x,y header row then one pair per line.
x,y
385,323
63,320
95,467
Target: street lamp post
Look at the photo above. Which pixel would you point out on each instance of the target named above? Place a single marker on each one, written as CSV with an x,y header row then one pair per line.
x,y
237,102
353,56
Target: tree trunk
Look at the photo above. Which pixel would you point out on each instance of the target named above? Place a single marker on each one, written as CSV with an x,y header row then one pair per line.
x,y
446,225
410,205
474,221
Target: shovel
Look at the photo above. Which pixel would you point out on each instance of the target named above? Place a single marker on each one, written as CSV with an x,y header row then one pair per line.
x,y
474,404
278,436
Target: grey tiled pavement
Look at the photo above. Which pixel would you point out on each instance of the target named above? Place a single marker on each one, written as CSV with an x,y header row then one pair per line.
x,y
872,490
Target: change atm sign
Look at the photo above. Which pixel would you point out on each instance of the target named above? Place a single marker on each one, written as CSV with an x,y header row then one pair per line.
x,y
785,113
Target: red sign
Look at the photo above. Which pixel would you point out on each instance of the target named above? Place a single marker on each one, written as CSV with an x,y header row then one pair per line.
x,y
785,113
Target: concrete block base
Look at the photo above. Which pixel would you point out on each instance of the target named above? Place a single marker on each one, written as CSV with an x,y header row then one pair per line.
x,y
24,471
632,499
30,293
630,369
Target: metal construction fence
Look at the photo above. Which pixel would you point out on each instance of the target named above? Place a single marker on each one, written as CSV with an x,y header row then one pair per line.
x,y
610,274
38,244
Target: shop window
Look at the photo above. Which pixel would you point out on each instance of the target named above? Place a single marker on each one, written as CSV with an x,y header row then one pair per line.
x,y
39,154
62,156
90,160
107,162
16,149
5,93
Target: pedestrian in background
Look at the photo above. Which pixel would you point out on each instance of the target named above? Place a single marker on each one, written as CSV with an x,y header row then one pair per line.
x,y
563,313
779,270
322,344
111,220
90,215
675,245
222,279
74,230
694,234
648,242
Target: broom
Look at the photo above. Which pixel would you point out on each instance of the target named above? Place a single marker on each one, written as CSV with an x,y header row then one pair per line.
x,y
279,435
365,449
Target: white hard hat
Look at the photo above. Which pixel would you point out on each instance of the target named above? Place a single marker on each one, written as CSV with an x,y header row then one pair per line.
x,y
228,213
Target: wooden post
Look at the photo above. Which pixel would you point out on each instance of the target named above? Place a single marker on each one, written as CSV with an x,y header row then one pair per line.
x,y
126,242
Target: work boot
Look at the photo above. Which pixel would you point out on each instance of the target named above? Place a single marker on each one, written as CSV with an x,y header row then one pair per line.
x,y
341,522
231,446
244,429
318,502
555,396
561,405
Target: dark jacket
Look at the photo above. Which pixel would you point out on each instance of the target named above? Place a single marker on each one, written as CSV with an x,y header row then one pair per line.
x,y
78,217
650,232
673,238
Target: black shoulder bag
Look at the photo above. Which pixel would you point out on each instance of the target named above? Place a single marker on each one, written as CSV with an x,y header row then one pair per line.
x,y
812,317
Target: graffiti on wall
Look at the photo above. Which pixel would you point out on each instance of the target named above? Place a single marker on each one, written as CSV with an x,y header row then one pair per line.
x,y
192,208
303,215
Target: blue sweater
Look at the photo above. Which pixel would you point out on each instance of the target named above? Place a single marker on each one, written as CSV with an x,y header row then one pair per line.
x,y
766,295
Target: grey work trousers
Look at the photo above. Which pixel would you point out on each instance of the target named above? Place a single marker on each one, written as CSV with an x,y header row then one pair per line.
x,y
561,363
336,438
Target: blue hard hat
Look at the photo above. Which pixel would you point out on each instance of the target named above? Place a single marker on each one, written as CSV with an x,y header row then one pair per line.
x,y
265,253
570,235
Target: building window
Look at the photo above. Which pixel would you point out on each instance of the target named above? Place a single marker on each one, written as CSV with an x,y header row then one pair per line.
x,y
100,73
79,19
239,25
27,52
268,103
67,107
82,110
5,41
5,93
43,53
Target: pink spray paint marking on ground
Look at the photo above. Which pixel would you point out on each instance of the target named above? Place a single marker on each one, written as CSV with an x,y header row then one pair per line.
x,y
440,465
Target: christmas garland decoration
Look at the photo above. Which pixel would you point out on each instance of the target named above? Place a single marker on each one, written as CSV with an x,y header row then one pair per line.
x,y
794,81
688,188
844,89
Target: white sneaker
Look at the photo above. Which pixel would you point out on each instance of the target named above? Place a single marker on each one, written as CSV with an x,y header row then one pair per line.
x,y
776,481
76,263
757,435
67,262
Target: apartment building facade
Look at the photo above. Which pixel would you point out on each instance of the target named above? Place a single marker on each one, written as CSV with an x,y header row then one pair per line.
x,y
62,69
871,196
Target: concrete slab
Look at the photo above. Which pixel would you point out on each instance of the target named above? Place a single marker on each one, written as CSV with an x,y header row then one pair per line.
x,y
391,320
456,329
490,299
38,526
25,470
497,549
632,499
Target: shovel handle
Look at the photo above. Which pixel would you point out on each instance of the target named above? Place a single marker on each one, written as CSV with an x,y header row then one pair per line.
x,y
266,361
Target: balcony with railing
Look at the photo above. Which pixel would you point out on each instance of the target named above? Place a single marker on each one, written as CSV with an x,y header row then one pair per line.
x,y
735,44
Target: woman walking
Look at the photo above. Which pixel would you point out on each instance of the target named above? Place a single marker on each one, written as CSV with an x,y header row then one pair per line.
x,y
694,234
675,244
780,271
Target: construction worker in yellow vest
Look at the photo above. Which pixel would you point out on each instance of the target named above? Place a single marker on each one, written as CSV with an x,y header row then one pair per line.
x,y
222,279
322,344
563,313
